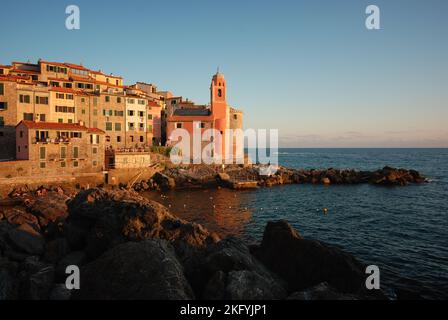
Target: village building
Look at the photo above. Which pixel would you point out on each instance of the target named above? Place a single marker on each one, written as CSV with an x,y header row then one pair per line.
x,y
60,148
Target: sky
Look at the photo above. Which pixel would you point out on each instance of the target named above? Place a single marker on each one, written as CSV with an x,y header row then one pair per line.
x,y
309,68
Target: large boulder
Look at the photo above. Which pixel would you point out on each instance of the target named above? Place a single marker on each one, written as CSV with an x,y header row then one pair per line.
x,y
26,239
305,263
322,291
147,270
163,181
51,207
229,271
103,219
9,284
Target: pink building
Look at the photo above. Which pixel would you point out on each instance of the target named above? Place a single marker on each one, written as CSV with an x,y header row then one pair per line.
x,y
219,116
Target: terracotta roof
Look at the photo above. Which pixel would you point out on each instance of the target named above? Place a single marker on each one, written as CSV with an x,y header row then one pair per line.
x,y
153,104
53,125
76,66
58,79
5,66
53,63
96,130
81,79
23,71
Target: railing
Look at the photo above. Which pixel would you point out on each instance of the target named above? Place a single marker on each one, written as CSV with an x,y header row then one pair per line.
x,y
48,140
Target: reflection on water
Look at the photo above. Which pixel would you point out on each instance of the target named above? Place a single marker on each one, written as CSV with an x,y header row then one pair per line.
x,y
219,210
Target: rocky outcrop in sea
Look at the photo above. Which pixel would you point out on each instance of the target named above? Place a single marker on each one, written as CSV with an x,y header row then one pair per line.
x,y
128,247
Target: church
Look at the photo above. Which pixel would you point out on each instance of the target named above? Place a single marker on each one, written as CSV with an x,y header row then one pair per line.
x,y
217,115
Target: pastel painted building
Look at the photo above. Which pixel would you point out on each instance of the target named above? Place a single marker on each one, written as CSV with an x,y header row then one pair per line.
x,y
219,116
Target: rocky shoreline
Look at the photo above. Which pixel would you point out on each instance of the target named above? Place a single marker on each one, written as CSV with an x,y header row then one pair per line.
x,y
248,177
128,247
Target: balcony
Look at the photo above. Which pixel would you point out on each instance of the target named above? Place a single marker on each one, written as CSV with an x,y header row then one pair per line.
x,y
59,140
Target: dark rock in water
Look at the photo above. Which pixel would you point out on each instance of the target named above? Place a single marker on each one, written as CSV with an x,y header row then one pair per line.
x,y
163,181
229,265
147,270
103,219
27,239
322,291
305,263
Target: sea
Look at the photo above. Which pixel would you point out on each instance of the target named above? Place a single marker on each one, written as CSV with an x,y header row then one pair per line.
x,y
402,230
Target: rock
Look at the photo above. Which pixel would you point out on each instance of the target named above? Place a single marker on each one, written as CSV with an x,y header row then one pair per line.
x,y
9,285
224,177
56,250
50,207
40,284
230,265
321,291
163,181
19,216
326,180
146,270
103,219
304,263
76,258
27,239
59,292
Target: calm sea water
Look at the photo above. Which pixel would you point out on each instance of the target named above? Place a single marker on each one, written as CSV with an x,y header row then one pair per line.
x,y
403,230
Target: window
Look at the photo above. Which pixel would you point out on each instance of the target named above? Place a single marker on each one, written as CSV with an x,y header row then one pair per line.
x,y
118,138
42,165
75,164
95,101
3,105
149,116
179,125
94,163
142,102
18,148
64,109
131,101
95,150
132,138
41,100
107,98
69,97
2,89
117,126
75,152
108,126
141,139
131,126
83,100
118,99
94,139
219,93
107,138
141,114
67,85
131,113
119,113
95,112
2,122
23,98
149,128
63,165
63,152
60,96
42,153
83,111
42,117
28,116
60,120
235,116
21,134
70,121
141,126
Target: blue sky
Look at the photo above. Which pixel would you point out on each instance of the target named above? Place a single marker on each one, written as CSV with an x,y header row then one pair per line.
x,y
309,68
